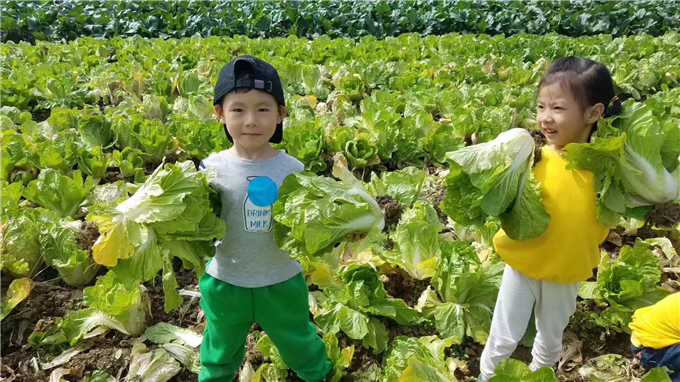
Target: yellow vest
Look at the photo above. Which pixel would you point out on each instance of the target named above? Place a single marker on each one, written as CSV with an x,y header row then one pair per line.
x,y
569,249
657,326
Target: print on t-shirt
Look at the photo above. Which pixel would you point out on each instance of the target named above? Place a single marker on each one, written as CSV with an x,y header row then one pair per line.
x,y
257,208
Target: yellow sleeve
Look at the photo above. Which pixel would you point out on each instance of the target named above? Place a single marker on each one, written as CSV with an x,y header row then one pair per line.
x,y
657,326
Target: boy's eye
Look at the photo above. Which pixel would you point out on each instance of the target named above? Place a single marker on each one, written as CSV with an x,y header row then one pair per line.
x,y
237,110
540,107
558,108
264,110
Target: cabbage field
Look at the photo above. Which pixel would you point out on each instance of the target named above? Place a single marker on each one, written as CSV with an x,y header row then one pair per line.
x,y
107,224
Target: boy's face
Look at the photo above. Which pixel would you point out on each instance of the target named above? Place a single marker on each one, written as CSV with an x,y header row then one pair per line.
x,y
251,117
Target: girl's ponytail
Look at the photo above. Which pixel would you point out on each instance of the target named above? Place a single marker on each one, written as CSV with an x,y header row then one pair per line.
x,y
614,108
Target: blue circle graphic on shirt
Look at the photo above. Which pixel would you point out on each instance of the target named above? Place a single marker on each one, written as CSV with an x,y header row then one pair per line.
x,y
262,191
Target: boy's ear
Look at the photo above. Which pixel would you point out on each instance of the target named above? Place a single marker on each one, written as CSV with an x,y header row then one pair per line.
x,y
282,114
594,113
219,113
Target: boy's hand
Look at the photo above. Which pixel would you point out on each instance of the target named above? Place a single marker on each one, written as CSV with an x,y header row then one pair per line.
x,y
356,236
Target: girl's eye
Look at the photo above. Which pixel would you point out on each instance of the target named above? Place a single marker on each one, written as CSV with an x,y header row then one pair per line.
x,y
540,107
558,108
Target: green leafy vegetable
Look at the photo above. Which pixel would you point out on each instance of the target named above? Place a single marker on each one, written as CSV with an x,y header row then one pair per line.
x,y
59,193
164,333
416,241
465,293
627,158
129,161
512,370
95,131
351,309
315,213
112,304
152,365
402,185
628,284
18,290
412,359
62,252
170,215
93,162
495,179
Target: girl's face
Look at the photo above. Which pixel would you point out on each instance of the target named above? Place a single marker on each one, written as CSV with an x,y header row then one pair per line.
x,y
561,117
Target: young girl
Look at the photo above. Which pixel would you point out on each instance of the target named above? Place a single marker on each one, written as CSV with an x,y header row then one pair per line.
x,y
543,275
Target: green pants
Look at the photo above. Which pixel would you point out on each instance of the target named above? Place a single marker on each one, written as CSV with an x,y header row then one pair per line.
x,y
283,312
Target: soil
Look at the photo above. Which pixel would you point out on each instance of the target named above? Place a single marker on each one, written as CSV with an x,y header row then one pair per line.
x,y
401,285
395,330
469,141
252,354
188,315
389,245
112,176
111,351
664,215
46,302
393,165
150,167
392,210
197,162
152,164
88,235
362,356
435,194
41,115
364,174
597,341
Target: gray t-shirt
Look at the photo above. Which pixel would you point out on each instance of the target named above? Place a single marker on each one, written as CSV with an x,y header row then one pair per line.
x,y
248,256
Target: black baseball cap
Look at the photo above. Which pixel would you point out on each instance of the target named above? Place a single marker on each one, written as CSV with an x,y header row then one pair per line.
x,y
262,76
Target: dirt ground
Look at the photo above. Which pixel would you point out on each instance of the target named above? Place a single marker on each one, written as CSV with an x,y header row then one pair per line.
x,y
111,352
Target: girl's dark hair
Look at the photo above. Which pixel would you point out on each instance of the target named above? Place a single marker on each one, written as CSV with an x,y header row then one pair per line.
x,y
589,81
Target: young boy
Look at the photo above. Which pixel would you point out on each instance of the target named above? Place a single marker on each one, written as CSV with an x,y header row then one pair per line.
x,y
250,279
656,335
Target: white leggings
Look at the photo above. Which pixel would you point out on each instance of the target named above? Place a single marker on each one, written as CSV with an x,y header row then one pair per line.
x,y
552,304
